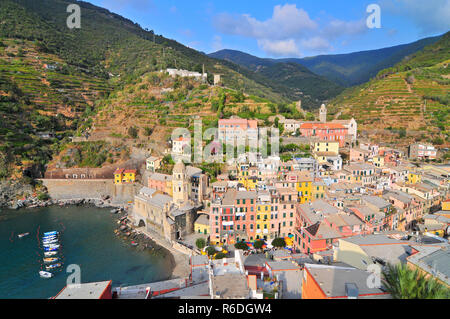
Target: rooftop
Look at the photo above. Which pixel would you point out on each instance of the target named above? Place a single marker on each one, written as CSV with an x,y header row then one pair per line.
x,y
84,291
230,286
435,261
333,281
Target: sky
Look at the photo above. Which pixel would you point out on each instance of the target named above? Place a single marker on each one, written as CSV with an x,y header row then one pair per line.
x,y
292,28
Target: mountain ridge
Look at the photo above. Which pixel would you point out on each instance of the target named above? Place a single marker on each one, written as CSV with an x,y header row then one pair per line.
x,y
336,67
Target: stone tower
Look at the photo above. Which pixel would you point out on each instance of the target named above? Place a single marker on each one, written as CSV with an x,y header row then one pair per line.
x,y
179,183
323,114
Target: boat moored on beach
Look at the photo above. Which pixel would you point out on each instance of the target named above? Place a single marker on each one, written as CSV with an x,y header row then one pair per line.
x,y
50,253
45,274
51,233
50,260
51,246
54,266
50,241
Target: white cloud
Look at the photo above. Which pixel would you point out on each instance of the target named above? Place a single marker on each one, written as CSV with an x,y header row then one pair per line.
x,y
289,30
287,21
280,48
429,16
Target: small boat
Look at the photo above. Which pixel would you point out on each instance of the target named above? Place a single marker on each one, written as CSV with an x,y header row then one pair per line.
x,y
50,260
23,235
49,238
45,274
50,241
51,246
50,233
134,244
54,266
50,253
50,249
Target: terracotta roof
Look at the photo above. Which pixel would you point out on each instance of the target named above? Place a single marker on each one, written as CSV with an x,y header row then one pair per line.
x,y
130,171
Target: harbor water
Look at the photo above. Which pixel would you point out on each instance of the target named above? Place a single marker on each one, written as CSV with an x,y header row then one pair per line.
x,y
87,239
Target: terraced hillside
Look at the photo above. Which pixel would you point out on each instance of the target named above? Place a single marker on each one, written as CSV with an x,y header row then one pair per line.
x,y
38,94
144,113
409,102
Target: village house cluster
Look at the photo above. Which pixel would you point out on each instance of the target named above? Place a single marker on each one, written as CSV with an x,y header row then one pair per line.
x,y
347,206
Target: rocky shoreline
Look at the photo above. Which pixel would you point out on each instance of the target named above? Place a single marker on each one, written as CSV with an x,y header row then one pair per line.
x,y
33,202
139,240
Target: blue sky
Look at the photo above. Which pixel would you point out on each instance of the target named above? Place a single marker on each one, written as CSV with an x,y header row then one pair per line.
x,y
274,28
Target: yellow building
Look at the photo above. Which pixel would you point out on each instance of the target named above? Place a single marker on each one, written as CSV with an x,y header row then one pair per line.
x,y
123,176
378,161
317,191
263,212
414,178
323,149
249,183
201,225
446,206
326,147
304,187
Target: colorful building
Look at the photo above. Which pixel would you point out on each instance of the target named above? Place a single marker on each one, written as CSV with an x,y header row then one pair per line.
x,y
124,176
325,132
201,225
414,178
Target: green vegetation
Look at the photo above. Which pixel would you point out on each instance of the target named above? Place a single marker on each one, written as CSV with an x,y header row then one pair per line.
x,y
279,243
404,283
258,244
241,245
220,256
210,251
200,243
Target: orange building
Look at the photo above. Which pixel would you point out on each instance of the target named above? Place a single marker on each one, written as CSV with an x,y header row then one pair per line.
x,y
332,282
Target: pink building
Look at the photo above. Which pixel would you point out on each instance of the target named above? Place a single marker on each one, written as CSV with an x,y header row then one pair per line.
x,y
325,131
237,128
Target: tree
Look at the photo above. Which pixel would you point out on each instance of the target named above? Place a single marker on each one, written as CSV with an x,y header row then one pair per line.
x,y
279,243
403,282
210,250
133,132
220,256
241,245
200,243
258,244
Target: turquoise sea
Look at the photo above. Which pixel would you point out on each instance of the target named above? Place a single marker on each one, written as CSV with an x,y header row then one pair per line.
x,y
87,240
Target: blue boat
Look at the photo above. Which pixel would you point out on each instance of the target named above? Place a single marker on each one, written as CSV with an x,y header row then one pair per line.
x,y
51,246
50,249
49,267
51,233
49,242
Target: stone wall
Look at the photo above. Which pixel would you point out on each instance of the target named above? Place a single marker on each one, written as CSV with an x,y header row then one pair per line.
x,y
62,189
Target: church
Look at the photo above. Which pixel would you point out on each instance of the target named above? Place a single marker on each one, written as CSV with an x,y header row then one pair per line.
x,y
170,216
